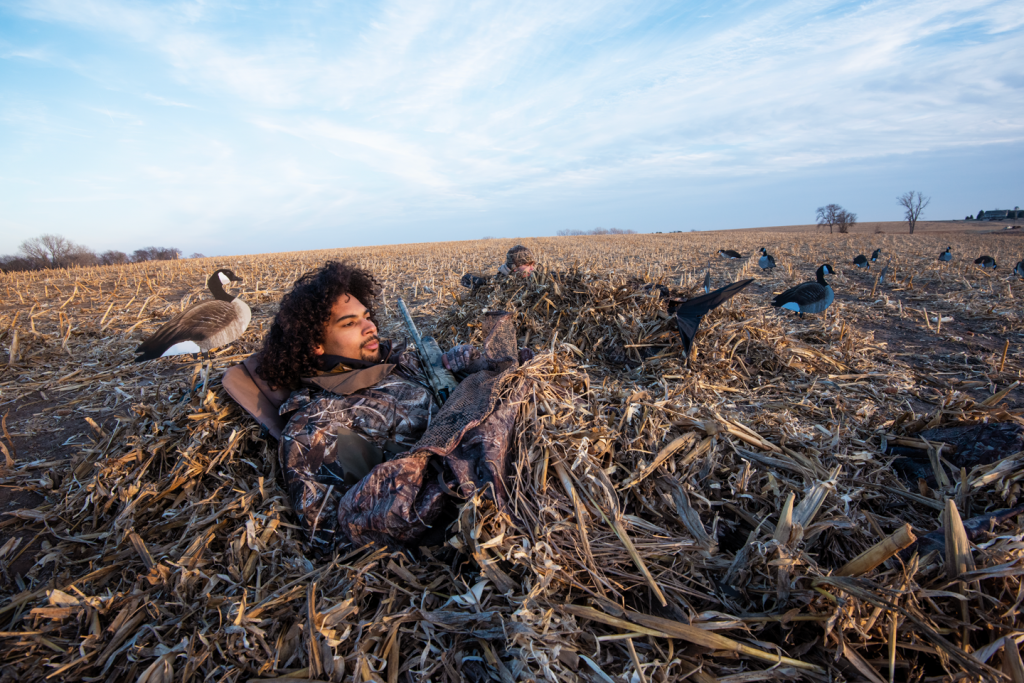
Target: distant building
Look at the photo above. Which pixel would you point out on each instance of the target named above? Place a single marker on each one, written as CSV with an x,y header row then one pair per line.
x,y
1000,214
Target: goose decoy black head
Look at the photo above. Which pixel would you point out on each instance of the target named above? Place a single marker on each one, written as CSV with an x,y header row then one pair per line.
x,y
946,256
689,313
809,297
875,254
729,254
861,261
201,327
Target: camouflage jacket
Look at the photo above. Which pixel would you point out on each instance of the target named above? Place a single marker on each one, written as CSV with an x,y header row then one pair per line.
x,y
387,404
343,487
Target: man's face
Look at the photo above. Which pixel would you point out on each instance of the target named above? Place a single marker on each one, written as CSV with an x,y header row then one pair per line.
x,y
350,332
526,270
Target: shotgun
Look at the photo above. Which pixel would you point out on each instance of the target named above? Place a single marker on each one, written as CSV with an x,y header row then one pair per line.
x,y
442,382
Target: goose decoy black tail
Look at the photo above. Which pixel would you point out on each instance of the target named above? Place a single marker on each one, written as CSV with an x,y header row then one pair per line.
x,y
689,313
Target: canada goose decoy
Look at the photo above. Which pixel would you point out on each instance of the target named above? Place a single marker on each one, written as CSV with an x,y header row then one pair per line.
x,y
861,261
661,290
946,256
985,262
707,281
885,271
472,282
1019,268
767,261
729,254
809,297
202,327
875,254
689,313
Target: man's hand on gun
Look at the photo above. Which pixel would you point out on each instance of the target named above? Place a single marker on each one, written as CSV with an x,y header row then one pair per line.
x,y
464,358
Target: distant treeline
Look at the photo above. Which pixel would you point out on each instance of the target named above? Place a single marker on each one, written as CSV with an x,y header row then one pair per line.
x,y
595,231
56,251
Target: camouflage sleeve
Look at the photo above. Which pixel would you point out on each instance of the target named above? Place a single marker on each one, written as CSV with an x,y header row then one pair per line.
x,y
409,362
314,487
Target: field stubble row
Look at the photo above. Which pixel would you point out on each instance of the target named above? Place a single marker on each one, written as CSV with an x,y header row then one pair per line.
x,y
693,517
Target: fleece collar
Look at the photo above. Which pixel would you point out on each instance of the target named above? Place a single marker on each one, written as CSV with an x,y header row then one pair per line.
x,y
347,375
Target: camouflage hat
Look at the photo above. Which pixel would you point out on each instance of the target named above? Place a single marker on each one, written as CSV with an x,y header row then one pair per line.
x,y
518,256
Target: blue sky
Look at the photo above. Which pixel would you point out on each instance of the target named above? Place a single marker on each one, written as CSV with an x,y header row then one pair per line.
x,y
235,127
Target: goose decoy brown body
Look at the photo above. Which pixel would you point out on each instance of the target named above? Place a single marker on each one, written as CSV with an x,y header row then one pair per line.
x,y
689,313
946,256
861,261
202,327
729,254
875,254
809,297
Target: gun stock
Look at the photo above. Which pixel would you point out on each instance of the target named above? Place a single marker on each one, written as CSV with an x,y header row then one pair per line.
x,y
442,382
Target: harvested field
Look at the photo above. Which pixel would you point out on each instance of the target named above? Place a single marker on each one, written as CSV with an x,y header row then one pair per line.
x,y
900,227
738,516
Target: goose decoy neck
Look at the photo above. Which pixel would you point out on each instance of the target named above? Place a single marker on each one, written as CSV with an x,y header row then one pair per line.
x,y
218,280
822,271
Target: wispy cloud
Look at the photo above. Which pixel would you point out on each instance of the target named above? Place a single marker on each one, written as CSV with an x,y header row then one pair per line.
x,y
166,102
375,111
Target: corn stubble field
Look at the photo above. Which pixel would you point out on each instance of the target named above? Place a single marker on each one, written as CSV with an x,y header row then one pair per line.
x,y
730,518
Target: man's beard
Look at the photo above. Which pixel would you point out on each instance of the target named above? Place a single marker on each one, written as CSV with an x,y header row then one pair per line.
x,y
370,356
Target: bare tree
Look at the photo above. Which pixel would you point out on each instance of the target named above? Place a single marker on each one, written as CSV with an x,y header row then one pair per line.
x,y
569,232
845,220
156,254
56,251
913,204
112,257
827,216
11,263
81,256
38,249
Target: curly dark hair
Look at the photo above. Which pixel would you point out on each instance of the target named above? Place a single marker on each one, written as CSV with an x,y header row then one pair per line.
x,y
301,321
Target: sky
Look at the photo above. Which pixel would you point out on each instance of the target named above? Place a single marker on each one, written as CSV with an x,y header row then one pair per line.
x,y
231,127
